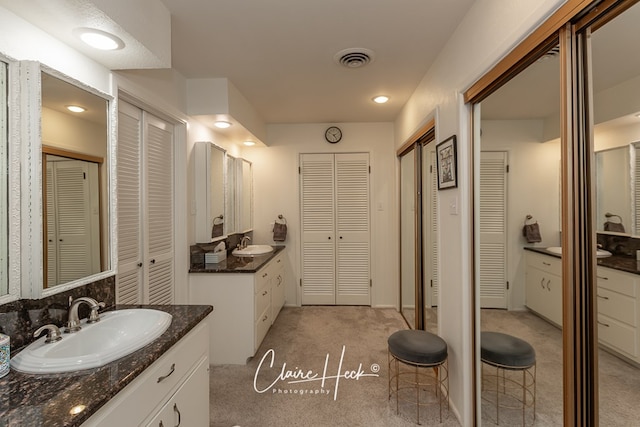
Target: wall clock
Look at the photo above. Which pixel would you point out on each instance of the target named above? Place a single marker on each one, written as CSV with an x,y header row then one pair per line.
x,y
333,134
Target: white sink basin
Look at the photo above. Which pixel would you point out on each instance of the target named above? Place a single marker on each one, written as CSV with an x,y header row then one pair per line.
x,y
600,253
117,334
252,250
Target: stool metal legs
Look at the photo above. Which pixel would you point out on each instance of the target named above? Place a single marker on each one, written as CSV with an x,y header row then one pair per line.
x,y
506,376
418,378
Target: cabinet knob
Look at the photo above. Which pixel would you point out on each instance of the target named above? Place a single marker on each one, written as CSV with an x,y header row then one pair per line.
x,y
264,293
548,283
603,324
139,264
603,297
542,282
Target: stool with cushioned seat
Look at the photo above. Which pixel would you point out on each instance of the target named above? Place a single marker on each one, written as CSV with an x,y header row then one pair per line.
x,y
509,354
422,352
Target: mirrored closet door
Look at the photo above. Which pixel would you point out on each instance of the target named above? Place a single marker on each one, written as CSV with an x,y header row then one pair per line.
x,y
418,233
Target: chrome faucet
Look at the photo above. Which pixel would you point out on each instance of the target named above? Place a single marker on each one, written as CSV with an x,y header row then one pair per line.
x,y
73,323
243,242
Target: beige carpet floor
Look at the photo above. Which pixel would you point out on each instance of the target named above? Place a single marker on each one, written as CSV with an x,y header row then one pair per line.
x,y
619,381
305,339
308,337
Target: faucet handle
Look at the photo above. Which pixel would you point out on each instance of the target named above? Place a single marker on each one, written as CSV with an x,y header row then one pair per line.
x,y
53,333
94,316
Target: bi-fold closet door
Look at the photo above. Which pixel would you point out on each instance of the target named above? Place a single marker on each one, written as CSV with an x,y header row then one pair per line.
x,y
335,213
145,208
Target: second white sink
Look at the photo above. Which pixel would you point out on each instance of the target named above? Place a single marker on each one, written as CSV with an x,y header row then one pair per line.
x,y
600,253
252,250
117,334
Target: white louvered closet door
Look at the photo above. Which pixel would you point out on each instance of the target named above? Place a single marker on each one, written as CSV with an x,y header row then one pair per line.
x,y
145,208
158,209
335,229
318,228
129,277
493,229
352,225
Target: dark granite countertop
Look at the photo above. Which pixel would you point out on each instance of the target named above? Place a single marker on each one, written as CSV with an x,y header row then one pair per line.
x,y
233,264
45,400
616,262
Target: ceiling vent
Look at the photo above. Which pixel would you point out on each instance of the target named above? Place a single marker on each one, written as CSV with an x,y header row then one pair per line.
x,y
354,57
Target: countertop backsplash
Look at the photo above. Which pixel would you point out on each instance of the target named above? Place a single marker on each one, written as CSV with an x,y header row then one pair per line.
x,y
19,319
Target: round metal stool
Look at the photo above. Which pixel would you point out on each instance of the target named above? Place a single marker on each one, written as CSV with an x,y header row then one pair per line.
x,y
510,356
425,354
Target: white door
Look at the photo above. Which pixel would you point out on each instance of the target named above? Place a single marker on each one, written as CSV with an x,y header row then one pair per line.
x,y
493,229
145,208
335,228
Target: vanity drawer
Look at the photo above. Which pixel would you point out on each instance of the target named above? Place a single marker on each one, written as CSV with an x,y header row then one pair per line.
x,y
546,263
617,335
617,281
617,306
155,384
263,323
263,299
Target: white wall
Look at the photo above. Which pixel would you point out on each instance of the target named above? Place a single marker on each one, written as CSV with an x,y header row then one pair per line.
x,y
276,191
488,31
533,188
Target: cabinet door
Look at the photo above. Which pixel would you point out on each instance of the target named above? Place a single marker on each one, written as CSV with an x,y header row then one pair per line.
x,y
189,406
544,294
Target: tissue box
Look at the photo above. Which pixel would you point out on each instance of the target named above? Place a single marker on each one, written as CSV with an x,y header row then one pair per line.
x,y
215,257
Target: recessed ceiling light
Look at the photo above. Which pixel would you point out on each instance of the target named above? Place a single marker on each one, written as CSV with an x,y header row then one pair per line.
x,y
76,108
99,39
222,124
381,99
249,143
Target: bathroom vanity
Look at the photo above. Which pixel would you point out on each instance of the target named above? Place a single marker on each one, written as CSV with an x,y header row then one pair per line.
x,y
159,384
618,299
247,293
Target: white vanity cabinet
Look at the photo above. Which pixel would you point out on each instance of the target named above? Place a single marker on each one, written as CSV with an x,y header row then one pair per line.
x,y
618,311
544,286
173,390
245,307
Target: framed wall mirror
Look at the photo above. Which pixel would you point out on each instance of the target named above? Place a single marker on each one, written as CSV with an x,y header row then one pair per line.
x,y
210,185
75,184
4,199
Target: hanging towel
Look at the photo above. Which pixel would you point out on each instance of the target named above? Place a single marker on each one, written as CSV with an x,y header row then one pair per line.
x,y
532,233
218,227
279,232
614,226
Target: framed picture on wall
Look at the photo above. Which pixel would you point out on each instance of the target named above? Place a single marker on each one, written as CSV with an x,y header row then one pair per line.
x,y
447,164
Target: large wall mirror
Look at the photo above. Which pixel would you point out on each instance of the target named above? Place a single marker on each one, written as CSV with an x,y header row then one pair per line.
x,y
75,183
4,199
210,182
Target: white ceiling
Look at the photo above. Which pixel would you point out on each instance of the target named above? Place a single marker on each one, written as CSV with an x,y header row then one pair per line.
x,y
279,53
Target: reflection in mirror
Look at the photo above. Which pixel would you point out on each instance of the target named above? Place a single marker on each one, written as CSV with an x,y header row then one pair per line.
x,y
231,196
245,195
616,104
75,203
519,127
71,202
407,239
4,200
613,190
210,163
